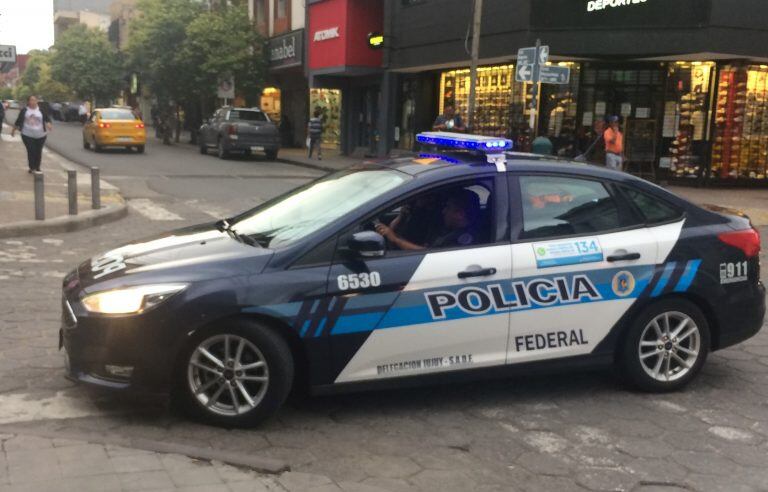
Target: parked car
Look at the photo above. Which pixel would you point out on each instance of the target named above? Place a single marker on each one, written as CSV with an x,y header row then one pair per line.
x,y
57,111
70,111
244,130
114,127
12,104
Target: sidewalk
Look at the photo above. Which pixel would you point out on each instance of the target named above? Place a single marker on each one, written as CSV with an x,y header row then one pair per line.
x,y
332,160
753,202
31,463
17,206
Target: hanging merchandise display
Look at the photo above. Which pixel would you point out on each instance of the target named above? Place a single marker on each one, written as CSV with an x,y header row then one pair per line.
x,y
497,92
329,103
687,115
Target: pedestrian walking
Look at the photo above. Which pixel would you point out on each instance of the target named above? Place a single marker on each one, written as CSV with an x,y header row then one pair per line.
x,y
315,130
614,145
34,124
82,113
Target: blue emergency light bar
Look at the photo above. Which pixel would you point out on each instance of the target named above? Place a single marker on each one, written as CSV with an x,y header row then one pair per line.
x,y
466,142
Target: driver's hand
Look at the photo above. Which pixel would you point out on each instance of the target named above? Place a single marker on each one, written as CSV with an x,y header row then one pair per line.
x,y
385,231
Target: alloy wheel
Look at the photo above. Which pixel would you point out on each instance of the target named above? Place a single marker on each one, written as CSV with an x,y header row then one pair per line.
x,y
669,346
228,375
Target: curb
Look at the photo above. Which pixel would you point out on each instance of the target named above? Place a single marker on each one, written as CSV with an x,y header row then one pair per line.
x,y
64,223
264,465
316,167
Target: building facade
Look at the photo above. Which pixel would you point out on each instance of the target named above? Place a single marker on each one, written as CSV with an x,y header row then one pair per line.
x,y
286,99
689,78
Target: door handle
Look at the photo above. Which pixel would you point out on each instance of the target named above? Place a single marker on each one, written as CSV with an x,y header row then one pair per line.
x,y
483,272
624,257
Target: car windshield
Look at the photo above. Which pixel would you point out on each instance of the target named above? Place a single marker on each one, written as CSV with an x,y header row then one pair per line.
x,y
309,209
117,114
247,115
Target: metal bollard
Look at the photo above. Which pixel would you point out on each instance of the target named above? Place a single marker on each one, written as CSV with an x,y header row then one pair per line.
x,y
39,196
95,189
72,191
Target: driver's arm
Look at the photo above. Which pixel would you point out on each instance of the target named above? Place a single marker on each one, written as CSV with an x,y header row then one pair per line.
x,y
396,240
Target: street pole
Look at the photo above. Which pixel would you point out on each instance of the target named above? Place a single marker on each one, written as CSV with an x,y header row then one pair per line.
x,y
535,88
478,14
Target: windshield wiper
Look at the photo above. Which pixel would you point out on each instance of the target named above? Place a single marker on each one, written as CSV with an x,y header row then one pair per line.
x,y
224,226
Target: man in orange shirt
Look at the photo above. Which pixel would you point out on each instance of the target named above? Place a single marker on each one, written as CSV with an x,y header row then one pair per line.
x,y
614,145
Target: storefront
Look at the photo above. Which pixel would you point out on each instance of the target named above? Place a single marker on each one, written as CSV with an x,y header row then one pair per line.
x,y
286,100
689,80
346,74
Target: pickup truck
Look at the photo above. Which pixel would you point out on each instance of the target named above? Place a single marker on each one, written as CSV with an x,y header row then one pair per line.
x,y
243,130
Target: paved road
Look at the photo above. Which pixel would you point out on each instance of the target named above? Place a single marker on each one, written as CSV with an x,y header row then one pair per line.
x,y
578,431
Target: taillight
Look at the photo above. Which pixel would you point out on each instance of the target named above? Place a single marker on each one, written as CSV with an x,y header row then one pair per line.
x,y
140,125
104,125
232,129
747,240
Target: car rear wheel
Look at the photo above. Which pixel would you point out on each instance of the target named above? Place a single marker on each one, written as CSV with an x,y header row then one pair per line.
x,y
271,154
235,376
666,346
97,147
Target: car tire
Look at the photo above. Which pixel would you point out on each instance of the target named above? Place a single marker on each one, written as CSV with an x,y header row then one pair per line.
x,y
206,390
97,147
221,151
86,145
665,346
203,149
271,154
140,149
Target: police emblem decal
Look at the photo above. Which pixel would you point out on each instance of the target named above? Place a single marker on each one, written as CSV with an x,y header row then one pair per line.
x,y
623,283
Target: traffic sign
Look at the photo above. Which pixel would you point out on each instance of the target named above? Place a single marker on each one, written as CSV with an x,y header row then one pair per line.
x,y
524,73
543,55
526,56
554,75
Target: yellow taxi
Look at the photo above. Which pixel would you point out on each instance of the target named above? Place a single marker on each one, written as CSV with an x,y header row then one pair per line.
x,y
114,127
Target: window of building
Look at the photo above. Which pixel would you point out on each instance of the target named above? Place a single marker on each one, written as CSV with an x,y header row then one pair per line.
x,y
261,16
555,206
282,16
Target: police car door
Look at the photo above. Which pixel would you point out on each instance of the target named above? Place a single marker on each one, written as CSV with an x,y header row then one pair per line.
x,y
580,261
420,312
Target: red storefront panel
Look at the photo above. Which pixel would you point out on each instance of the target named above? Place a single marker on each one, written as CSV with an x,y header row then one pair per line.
x,y
338,33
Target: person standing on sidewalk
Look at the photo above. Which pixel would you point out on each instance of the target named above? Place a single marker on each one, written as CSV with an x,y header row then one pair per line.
x,y
34,124
315,130
614,145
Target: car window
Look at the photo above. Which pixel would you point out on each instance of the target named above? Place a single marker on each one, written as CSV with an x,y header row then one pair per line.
x,y
556,206
249,115
455,216
118,114
653,209
309,209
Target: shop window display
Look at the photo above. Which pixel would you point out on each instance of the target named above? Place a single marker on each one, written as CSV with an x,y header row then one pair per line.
x,y
497,93
558,110
686,117
329,102
741,142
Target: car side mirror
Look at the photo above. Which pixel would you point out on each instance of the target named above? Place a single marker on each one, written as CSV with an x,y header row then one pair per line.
x,y
367,244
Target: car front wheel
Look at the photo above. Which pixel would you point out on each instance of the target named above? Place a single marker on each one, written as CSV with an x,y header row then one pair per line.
x,y
235,376
666,346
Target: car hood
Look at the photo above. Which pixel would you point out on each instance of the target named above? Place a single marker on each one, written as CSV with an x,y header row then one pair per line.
x,y
185,255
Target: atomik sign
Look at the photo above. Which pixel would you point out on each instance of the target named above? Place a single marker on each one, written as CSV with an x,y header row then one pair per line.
x,y
595,5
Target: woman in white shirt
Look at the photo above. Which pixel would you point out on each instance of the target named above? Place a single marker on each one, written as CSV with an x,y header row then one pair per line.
x,y
34,125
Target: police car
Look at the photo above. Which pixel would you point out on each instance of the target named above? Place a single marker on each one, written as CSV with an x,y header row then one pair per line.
x,y
471,261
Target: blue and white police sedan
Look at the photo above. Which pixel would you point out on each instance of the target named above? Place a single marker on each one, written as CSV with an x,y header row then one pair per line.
x,y
468,261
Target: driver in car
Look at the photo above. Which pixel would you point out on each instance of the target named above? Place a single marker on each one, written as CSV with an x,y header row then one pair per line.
x,y
460,217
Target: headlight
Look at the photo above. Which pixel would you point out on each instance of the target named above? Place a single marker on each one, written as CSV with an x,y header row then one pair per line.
x,y
130,300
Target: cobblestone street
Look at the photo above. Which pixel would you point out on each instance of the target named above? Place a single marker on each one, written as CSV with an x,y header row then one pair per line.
x,y
567,432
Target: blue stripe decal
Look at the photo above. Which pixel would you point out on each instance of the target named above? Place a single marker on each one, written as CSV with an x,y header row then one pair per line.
x,y
320,326
665,276
691,268
305,327
355,323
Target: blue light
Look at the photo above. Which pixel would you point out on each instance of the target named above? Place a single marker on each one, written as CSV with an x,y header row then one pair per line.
x,y
466,142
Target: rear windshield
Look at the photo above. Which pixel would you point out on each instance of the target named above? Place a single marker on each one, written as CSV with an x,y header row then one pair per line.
x,y
243,115
117,114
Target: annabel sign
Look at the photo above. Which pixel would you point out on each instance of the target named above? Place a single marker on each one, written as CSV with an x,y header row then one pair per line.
x,y
286,50
594,5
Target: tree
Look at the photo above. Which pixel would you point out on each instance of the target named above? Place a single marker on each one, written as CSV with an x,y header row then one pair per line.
x,y
224,43
84,60
38,80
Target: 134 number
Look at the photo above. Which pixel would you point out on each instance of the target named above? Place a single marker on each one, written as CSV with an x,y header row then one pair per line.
x,y
359,281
